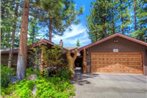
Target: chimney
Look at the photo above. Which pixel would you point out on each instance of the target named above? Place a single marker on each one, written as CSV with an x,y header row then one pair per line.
x,y
61,43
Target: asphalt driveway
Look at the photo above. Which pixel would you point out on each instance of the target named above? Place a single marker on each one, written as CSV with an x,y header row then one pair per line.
x,y
111,86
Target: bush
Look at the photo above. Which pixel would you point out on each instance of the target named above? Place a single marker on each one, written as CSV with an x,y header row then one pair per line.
x,y
53,87
53,57
64,73
6,74
32,70
57,86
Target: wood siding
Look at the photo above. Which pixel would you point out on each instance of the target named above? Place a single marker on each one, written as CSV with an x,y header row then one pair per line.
x,y
123,45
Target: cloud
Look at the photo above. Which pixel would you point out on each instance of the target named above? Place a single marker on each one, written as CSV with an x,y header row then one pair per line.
x,y
70,37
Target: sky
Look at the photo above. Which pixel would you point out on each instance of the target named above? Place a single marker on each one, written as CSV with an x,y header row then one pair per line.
x,y
78,32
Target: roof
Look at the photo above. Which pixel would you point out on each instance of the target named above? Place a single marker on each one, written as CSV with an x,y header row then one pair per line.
x,y
71,48
42,41
3,51
112,36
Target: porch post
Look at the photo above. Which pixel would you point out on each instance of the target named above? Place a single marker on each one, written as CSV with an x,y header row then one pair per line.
x,y
42,61
84,61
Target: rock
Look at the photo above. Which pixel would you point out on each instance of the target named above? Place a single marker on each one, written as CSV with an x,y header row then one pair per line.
x,y
34,90
14,79
32,77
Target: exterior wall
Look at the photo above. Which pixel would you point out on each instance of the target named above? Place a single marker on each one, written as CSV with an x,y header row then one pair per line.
x,y
145,62
5,56
123,45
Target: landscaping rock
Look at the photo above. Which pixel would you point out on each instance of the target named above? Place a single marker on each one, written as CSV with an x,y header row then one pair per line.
x,y
14,79
34,90
32,77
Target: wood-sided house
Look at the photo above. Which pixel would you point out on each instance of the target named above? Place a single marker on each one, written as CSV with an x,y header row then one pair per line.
x,y
5,53
115,54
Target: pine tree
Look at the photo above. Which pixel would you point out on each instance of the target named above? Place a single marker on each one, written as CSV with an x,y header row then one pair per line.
x,y
7,23
134,11
59,15
13,34
33,30
101,21
22,54
78,43
124,15
141,19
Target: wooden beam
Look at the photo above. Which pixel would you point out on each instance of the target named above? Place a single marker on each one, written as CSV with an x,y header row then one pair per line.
x,y
84,61
42,64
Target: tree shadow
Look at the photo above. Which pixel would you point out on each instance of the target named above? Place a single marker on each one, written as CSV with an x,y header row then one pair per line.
x,y
81,79
125,78
118,89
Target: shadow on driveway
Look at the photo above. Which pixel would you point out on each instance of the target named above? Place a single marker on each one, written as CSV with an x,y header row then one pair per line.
x,y
110,86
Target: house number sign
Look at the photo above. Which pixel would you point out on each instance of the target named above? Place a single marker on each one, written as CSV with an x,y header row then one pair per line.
x,y
115,50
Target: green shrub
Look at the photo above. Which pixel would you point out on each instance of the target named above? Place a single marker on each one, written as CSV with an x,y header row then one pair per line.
x,y
53,87
32,70
64,73
6,74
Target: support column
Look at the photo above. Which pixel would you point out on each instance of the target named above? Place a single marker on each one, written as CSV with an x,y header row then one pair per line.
x,y
42,61
84,61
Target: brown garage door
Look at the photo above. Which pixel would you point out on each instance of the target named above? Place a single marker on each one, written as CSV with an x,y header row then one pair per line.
x,y
121,62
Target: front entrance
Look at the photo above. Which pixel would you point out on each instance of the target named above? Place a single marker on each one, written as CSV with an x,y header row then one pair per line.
x,y
78,63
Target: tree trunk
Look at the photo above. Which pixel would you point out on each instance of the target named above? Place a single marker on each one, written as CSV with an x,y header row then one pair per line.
x,y
113,27
135,20
96,36
84,62
13,37
104,27
42,61
33,31
113,21
50,29
71,61
122,20
22,55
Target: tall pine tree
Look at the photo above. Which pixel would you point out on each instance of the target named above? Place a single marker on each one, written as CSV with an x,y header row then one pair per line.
x,y
140,19
59,15
101,21
22,54
124,16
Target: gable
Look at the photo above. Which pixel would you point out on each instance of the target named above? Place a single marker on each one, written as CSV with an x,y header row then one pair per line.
x,y
114,36
119,43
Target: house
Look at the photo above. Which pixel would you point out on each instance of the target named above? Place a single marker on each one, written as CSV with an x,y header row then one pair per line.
x,y
5,56
5,52
115,54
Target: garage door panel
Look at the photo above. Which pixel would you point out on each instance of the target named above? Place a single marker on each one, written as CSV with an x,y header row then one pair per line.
x,y
122,62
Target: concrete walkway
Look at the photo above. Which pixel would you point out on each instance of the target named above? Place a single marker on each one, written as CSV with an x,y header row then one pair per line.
x,y
111,86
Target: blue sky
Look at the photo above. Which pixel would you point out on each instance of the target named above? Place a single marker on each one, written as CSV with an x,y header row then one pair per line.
x,y
79,32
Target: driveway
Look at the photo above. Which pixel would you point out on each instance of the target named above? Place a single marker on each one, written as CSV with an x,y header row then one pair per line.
x,y
111,86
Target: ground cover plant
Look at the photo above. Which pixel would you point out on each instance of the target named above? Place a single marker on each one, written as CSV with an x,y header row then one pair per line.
x,y
38,86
